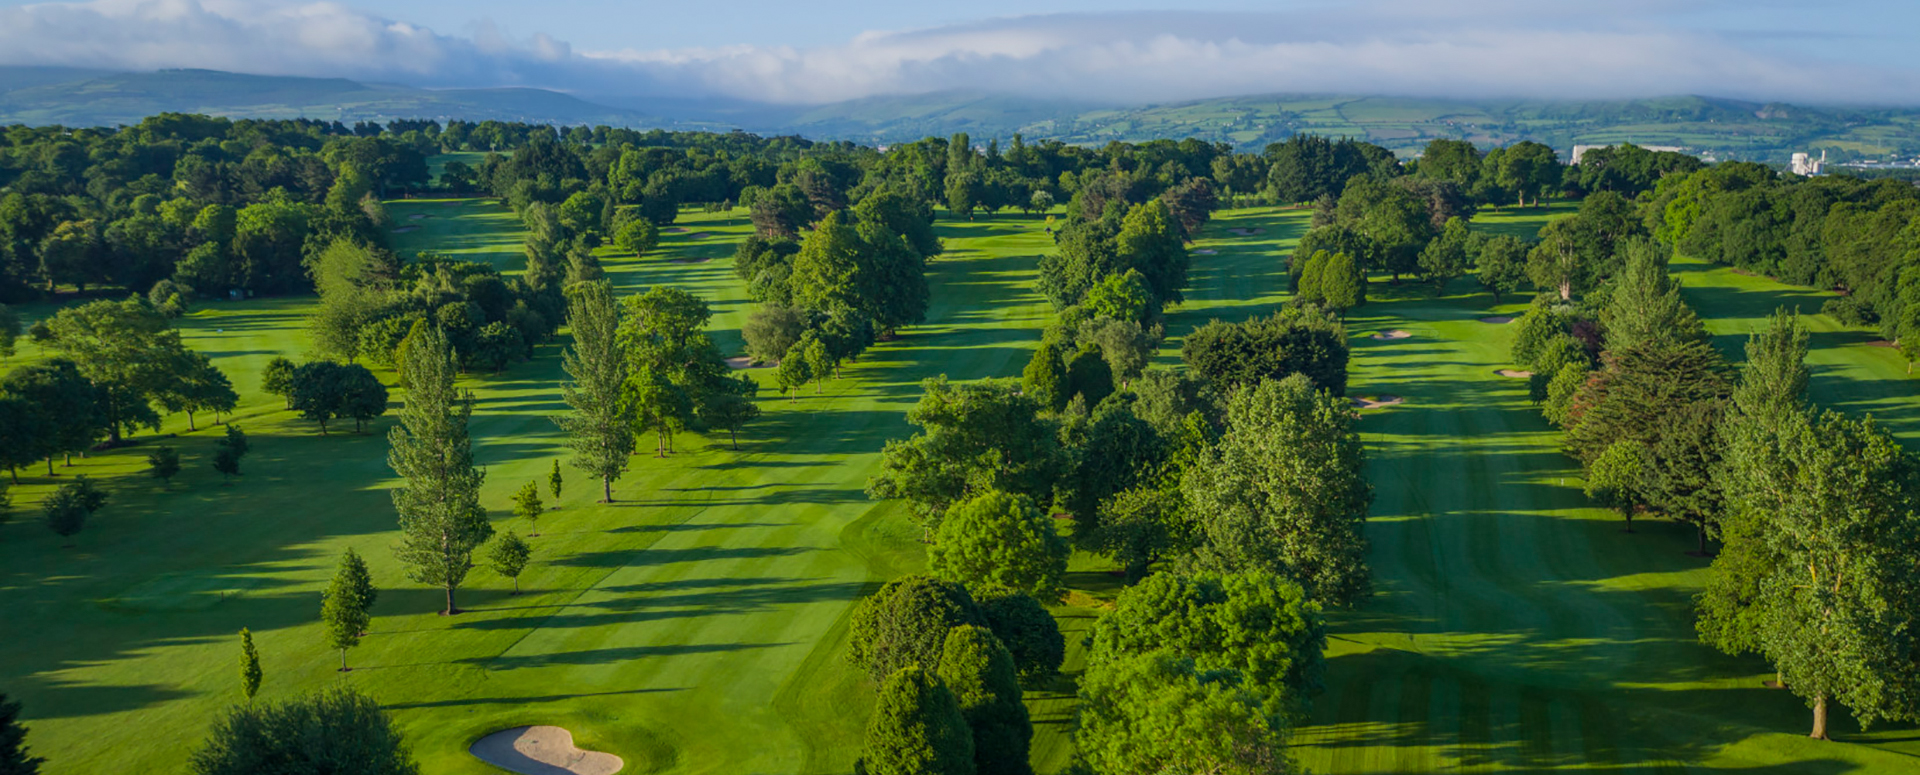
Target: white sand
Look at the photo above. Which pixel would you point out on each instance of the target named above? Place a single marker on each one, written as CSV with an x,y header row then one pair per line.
x,y
1394,334
1514,374
542,750
1377,401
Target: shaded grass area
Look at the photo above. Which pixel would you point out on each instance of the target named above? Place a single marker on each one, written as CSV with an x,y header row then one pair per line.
x,y
698,624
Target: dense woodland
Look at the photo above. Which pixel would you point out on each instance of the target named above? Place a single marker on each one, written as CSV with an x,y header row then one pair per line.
x,y
1232,491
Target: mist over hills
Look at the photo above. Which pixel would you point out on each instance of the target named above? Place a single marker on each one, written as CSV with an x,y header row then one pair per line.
x,y
1717,128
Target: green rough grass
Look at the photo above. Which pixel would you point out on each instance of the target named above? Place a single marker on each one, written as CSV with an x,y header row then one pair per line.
x,y
698,624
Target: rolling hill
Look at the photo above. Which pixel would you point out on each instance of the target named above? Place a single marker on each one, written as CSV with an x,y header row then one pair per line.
x,y
1712,127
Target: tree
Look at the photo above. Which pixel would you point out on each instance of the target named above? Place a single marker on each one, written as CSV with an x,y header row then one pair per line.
x,y
637,236
1030,634
1157,712
819,363
793,371
1292,341
58,412
226,460
1445,258
441,521
125,349
1616,479
906,622
979,671
554,482
1343,283
976,436
336,731
250,673
600,427
68,508
1088,377
771,330
15,759
730,412
357,579
362,396
1150,241
1831,506
1045,377
917,729
1645,308
343,618
1138,526
1283,491
1259,625
1310,288
1528,169
1041,201
527,506
1002,540
508,555
163,464
347,277
1502,265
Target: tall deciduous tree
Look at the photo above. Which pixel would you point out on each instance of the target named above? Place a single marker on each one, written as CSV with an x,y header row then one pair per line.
x,y
906,623
1833,506
1004,540
980,673
441,521
974,436
527,505
1283,491
1157,712
600,427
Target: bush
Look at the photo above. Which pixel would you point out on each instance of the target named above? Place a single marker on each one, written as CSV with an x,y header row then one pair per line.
x,y
906,623
1027,630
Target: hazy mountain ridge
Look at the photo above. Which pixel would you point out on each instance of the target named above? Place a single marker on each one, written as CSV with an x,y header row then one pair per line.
x,y
1721,128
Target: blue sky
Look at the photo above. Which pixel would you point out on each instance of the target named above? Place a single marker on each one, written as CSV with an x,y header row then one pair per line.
x,y
1837,51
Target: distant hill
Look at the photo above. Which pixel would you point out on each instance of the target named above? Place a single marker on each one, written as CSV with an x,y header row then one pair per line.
x,y
1715,128
1718,127
32,95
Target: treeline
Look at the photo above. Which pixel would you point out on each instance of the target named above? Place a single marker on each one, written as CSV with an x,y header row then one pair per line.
x,y
1816,512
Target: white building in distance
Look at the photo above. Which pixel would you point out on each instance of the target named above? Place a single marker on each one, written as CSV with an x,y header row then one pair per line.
x,y
1805,165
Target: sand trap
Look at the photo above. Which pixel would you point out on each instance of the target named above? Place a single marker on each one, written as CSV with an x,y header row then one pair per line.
x,y
691,260
1394,334
417,216
1206,252
405,229
744,362
675,229
1882,343
1497,320
1248,232
1377,401
1514,373
542,751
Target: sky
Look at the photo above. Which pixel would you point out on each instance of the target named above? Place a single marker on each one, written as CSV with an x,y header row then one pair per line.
x,y
1120,51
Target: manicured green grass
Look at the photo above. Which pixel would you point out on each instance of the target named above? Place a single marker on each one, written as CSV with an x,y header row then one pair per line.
x,y
697,625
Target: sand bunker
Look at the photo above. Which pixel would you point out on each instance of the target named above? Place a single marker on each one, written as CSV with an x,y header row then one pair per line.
x,y
542,751
1394,334
1882,343
1497,320
744,362
675,230
691,260
1206,252
1248,232
417,216
1377,401
1515,374
405,229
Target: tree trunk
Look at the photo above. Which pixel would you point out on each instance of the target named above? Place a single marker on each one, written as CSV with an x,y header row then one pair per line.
x,y
1819,718
15,472
50,466
1628,513
1703,539
190,427
606,487
451,610
1566,290
731,433
343,660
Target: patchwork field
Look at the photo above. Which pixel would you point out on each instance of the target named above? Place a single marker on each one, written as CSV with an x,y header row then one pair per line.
x,y
697,625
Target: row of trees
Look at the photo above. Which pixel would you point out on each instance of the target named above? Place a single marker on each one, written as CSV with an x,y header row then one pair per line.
x,y
1813,509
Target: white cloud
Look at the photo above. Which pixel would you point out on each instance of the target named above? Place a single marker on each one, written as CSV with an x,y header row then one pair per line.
x,y
1493,48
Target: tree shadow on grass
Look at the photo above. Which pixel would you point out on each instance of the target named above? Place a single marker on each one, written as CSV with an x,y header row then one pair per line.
x,y
519,700
610,655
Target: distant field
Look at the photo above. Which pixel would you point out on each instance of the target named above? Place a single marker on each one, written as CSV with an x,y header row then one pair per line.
x,y
697,626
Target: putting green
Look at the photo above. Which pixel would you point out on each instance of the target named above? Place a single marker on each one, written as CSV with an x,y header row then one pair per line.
x,y
697,624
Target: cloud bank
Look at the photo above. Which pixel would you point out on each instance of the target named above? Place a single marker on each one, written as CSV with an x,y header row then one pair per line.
x,y
1485,49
